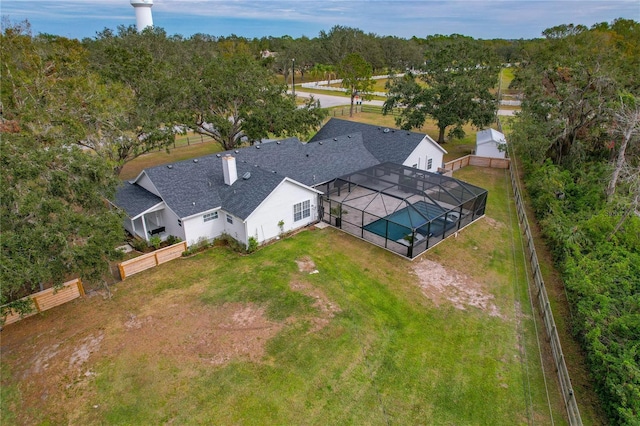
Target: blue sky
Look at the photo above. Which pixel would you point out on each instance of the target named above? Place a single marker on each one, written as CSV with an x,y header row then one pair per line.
x,y
403,18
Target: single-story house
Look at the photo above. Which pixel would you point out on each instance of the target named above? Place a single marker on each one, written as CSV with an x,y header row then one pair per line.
x,y
491,143
266,189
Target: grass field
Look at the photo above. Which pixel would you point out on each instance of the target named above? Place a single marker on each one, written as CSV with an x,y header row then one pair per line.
x,y
221,338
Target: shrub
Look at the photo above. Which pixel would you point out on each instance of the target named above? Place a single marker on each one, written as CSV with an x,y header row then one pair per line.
x,y
155,242
139,245
172,239
253,245
202,244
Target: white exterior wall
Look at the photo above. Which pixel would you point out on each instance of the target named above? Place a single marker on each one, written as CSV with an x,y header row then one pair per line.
x,y
263,222
488,142
236,229
427,149
196,228
489,149
170,222
144,181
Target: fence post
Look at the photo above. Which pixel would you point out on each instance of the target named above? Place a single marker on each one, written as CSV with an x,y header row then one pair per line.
x,y
81,287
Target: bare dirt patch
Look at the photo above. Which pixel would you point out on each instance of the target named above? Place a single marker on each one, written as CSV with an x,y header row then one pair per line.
x,y
305,264
441,285
325,307
493,223
54,358
210,334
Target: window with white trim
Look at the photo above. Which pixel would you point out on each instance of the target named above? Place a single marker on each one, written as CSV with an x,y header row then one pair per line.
x,y
210,216
229,219
301,210
429,163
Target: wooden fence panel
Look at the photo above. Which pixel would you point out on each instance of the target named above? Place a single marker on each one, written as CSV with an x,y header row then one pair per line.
x,y
474,160
151,260
49,298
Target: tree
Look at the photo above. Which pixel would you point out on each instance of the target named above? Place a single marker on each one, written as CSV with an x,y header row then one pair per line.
x,y
54,219
569,80
454,87
235,99
142,69
627,127
356,75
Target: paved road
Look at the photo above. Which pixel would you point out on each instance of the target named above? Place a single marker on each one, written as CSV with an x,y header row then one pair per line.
x,y
328,101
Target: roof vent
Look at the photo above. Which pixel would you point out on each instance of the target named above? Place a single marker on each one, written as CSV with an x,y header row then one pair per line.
x,y
386,130
307,155
195,160
218,155
257,146
335,139
349,136
273,171
170,166
194,203
278,142
320,142
236,151
246,176
408,133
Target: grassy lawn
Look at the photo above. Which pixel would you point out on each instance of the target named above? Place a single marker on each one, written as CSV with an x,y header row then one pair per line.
x,y
197,147
221,338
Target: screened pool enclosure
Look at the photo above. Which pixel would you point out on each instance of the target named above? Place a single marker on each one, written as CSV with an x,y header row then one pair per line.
x,y
400,208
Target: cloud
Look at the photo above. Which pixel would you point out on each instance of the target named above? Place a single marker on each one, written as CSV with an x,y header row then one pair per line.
x,y
404,18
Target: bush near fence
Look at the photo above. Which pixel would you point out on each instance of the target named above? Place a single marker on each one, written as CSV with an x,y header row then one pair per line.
x,y
49,298
151,260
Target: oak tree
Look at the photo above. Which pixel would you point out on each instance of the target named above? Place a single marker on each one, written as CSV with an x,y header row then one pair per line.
x,y
453,87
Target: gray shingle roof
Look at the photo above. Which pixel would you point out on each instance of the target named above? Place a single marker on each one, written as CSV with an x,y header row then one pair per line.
x,y
311,163
340,147
385,144
193,186
134,199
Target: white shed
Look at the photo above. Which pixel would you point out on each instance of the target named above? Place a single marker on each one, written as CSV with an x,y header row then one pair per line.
x,y
491,143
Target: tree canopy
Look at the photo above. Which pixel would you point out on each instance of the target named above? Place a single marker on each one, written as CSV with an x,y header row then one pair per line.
x,y
453,87
578,137
356,75
53,215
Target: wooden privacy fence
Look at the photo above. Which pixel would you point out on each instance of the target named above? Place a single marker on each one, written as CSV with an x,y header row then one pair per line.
x,y
49,298
474,160
151,260
545,310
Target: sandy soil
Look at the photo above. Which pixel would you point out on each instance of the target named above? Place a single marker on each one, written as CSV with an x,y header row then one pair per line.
x,y
442,285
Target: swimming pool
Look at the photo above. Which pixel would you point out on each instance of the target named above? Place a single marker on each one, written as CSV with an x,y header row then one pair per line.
x,y
427,219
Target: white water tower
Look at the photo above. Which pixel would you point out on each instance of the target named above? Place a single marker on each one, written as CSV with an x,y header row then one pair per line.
x,y
143,13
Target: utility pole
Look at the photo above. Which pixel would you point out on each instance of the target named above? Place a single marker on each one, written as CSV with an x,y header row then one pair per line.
x,y
293,76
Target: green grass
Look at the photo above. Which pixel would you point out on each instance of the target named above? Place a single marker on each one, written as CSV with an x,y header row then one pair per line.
x,y
182,151
10,399
388,356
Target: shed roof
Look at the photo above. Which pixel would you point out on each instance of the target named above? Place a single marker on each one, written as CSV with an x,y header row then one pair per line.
x,y
490,136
